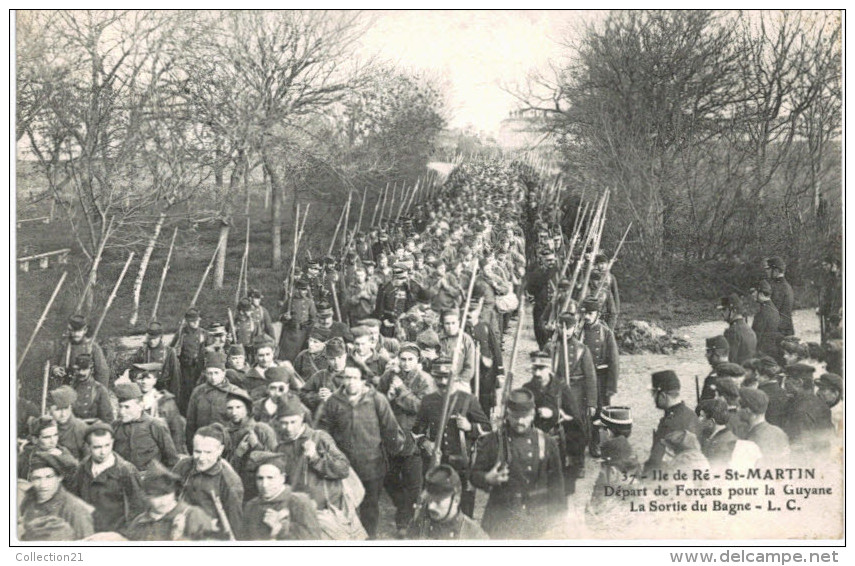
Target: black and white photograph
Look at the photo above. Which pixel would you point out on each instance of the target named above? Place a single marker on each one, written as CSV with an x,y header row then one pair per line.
x,y
426,278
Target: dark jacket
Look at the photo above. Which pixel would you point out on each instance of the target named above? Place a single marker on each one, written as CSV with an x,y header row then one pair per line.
x,y
718,448
69,508
143,440
239,455
170,375
524,506
782,298
319,478
207,405
365,430
773,444
677,417
460,527
429,416
72,435
194,524
600,340
407,399
776,412
766,326
114,493
93,401
742,341
301,524
65,353
807,418
220,479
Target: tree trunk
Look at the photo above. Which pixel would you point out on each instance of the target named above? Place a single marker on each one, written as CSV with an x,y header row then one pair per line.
x,y
275,214
220,268
144,267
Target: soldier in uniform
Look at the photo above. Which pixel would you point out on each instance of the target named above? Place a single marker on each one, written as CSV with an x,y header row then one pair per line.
x,y
93,399
208,401
397,296
488,348
155,350
440,515
555,407
107,481
72,431
140,438
539,285
160,404
246,436
767,321
830,297
47,496
260,314
297,322
666,394
247,329
782,293
740,338
520,467
218,342
206,477
770,384
602,269
466,424
278,512
326,322
600,340
405,388
190,344
167,518
582,378
72,344
717,352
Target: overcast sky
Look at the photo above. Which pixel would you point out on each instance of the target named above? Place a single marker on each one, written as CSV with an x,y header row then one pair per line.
x,y
475,51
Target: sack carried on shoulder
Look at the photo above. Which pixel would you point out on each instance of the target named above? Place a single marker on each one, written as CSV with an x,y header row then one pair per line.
x,y
507,303
344,523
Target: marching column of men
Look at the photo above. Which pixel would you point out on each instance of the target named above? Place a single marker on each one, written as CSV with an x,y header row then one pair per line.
x,y
245,431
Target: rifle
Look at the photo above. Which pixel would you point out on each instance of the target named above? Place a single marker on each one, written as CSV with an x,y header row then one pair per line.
x,y
361,209
45,380
596,245
221,514
335,300
477,388
163,275
335,234
290,281
697,390
41,320
232,324
199,288
377,207
112,296
346,219
91,281
502,456
446,400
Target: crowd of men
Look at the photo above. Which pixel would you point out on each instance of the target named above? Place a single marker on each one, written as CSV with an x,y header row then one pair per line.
x,y
388,374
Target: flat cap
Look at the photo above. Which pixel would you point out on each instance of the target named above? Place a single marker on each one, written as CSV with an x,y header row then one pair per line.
x,y
335,348
441,367
729,369
755,400
793,345
263,341
320,334
279,374
411,348
727,387
264,458
237,350
370,322
521,401
799,371
831,381
63,397
289,406
148,367
591,304
63,463
717,343
158,480
241,395
98,427
325,309
301,284
442,481
665,380
127,392
767,366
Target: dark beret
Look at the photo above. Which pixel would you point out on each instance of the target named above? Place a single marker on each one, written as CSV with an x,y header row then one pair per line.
x,y
830,380
38,424
98,427
279,374
237,350
63,463
729,369
289,406
242,395
754,400
428,339
335,348
717,343
215,360
776,262
244,304
157,480
727,387
799,371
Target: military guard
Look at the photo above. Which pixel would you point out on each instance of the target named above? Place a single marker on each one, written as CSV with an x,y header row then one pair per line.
x,y
666,395
73,343
439,516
